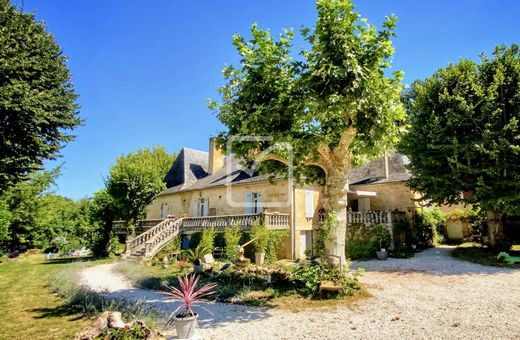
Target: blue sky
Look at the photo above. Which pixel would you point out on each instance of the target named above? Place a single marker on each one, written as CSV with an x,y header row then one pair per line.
x,y
145,69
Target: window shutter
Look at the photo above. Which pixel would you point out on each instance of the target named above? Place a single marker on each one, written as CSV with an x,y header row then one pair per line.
x,y
309,203
206,206
258,202
164,209
249,202
194,206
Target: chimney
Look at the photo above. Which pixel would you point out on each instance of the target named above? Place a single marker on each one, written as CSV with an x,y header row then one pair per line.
x,y
216,157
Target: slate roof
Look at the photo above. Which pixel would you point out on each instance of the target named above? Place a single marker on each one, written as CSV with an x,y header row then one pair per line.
x,y
189,167
190,172
374,172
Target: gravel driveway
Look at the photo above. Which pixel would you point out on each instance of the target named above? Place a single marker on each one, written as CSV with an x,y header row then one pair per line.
x,y
430,296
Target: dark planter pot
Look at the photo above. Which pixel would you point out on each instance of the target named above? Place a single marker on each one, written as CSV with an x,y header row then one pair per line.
x,y
382,255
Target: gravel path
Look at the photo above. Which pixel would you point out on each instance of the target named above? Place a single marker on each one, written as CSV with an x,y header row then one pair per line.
x,y
430,296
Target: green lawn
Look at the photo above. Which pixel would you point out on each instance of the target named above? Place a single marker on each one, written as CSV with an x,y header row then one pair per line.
x,y
28,310
475,252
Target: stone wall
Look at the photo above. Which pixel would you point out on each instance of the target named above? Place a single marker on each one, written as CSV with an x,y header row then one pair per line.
x,y
390,196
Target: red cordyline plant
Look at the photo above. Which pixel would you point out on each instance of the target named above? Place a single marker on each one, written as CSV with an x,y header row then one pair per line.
x,y
188,294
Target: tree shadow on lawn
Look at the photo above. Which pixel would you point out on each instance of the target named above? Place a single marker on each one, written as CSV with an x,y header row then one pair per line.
x,y
434,261
56,312
211,314
64,260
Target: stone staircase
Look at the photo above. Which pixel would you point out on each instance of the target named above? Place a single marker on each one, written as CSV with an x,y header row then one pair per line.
x,y
147,244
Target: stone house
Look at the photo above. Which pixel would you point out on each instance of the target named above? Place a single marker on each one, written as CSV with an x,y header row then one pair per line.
x,y
207,188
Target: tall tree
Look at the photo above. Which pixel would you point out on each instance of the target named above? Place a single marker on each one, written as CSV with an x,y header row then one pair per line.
x,y
463,141
5,221
136,179
334,104
37,100
103,212
23,201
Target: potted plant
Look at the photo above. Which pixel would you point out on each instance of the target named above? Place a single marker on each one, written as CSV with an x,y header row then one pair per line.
x,y
381,235
260,237
184,318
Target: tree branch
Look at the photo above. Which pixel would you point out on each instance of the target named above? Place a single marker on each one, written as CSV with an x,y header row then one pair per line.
x,y
344,143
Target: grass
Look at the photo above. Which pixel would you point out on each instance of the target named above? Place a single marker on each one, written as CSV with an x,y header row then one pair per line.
x,y
475,252
29,310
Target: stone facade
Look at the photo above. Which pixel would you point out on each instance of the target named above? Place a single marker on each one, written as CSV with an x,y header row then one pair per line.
x,y
208,184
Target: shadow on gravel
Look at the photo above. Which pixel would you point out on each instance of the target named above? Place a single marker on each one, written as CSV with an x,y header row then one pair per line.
x,y
221,313
434,261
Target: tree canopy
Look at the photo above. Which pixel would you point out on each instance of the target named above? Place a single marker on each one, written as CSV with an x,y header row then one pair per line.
x,y
333,102
464,134
37,99
136,179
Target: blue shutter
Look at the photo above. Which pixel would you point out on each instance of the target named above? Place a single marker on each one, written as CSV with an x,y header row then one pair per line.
x,y
249,203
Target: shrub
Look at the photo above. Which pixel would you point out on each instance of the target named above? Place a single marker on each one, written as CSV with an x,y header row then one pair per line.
x,y
361,244
261,235
207,239
428,226
324,233
310,275
232,237
116,247
381,236
403,233
195,239
197,253
276,237
219,240
171,248
361,249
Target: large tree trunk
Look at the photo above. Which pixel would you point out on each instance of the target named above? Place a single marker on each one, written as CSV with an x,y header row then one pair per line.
x,y
495,229
335,199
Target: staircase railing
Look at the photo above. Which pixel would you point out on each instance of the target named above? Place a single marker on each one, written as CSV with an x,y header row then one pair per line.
x,y
146,239
162,238
150,242
244,221
276,221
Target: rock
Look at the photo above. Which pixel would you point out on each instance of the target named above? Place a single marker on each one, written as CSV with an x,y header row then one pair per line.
x,y
113,320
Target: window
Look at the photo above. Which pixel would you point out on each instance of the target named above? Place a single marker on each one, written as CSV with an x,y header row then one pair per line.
x,y
253,202
309,204
364,204
164,210
201,206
